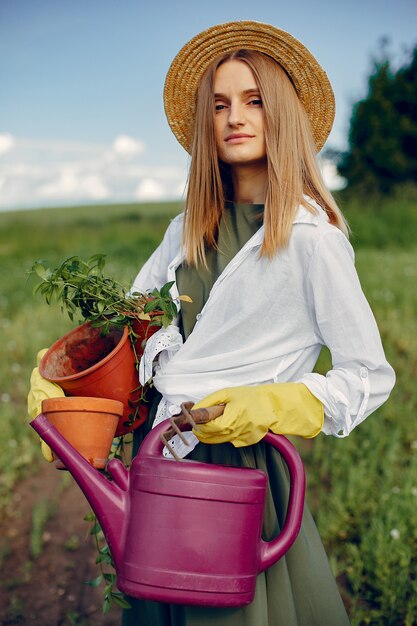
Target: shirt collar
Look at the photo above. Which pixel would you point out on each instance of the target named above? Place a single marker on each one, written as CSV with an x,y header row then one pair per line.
x,y
304,216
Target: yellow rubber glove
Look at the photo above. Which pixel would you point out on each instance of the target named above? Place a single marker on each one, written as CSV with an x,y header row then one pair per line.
x,y
283,408
40,389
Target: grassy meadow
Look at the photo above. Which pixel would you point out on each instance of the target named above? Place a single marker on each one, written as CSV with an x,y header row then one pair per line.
x,y
362,489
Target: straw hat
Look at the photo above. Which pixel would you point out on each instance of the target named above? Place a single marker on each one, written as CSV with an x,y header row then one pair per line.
x,y
310,80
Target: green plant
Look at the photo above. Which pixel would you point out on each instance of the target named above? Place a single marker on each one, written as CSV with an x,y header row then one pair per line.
x,y
104,560
383,126
107,576
42,511
82,286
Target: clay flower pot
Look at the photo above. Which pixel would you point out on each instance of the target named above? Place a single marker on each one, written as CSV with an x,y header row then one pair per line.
x,y
84,362
89,424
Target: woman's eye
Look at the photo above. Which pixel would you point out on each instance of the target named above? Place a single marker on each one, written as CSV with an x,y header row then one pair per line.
x,y
256,102
220,107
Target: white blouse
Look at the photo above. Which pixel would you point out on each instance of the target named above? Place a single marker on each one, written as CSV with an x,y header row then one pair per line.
x,y
266,321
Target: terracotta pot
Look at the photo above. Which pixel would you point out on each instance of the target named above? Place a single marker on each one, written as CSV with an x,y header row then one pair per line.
x,y
84,362
89,424
143,329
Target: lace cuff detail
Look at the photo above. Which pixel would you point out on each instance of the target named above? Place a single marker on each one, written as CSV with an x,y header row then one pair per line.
x,y
166,339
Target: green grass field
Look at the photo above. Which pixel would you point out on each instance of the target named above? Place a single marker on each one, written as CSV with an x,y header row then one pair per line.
x,y
362,489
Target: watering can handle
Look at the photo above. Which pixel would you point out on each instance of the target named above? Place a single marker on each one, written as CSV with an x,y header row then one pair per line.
x,y
270,551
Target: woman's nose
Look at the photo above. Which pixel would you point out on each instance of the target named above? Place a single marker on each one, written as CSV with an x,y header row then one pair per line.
x,y
236,114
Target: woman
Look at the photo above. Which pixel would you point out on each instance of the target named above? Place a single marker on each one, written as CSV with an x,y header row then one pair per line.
x,y
262,250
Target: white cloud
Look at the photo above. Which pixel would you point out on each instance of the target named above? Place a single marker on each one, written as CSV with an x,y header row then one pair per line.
x,y
7,141
45,173
71,184
149,189
330,175
127,146
41,173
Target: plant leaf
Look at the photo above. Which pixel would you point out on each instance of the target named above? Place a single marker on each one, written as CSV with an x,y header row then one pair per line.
x,y
166,320
106,604
95,529
120,600
144,316
150,306
96,582
164,291
39,269
185,298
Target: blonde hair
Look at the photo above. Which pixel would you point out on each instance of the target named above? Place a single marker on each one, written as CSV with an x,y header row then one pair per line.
x,y
291,156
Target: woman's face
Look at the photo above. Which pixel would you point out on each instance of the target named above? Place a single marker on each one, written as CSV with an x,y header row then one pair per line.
x,y
238,121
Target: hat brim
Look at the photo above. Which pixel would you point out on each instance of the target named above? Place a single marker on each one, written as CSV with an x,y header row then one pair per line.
x,y
310,80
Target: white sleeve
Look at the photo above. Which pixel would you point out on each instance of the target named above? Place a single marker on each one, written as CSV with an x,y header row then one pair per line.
x,y
154,273
361,379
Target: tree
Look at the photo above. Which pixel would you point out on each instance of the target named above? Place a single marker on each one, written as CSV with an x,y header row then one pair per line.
x,y
383,130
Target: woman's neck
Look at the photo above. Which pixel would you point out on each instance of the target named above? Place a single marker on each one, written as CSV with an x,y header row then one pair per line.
x,y
250,183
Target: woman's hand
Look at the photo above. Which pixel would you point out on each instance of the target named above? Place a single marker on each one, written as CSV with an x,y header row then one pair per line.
x,y
41,389
283,408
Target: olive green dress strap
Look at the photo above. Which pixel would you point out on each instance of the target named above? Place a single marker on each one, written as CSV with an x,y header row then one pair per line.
x,y
238,224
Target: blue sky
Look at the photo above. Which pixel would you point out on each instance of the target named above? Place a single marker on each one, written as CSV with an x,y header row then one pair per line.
x,y
81,112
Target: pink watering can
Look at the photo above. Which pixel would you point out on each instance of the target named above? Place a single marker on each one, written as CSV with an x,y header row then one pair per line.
x,y
184,532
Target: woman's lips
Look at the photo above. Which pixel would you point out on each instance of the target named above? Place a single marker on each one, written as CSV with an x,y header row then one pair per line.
x,y
237,137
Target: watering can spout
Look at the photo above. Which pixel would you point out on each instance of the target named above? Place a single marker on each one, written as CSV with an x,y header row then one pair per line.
x,y
107,498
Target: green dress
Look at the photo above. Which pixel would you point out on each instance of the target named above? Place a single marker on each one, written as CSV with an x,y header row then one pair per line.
x,y
299,590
